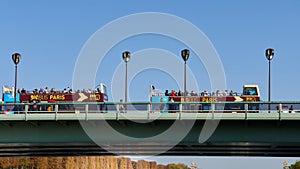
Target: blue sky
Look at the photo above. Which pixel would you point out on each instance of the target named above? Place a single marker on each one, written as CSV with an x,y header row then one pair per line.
x,y
50,35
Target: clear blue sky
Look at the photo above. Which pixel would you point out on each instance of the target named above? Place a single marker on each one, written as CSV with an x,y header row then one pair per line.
x,y
50,35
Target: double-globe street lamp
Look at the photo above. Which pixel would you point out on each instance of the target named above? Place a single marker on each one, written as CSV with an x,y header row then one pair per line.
x,y
126,58
185,53
16,57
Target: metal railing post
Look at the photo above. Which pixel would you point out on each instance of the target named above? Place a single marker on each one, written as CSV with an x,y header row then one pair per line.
x,y
180,116
280,111
26,111
180,107
280,108
118,111
86,109
56,111
149,108
213,107
246,110
26,108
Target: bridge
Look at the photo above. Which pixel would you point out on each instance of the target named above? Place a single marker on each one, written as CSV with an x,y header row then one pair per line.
x,y
104,129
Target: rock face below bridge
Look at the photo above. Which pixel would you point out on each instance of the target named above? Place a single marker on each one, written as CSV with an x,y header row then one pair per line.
x,y
90,162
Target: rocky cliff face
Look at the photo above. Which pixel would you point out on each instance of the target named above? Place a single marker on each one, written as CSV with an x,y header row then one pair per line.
x,y
90,162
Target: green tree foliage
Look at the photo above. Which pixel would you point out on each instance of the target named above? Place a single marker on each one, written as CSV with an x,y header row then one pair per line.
x,y
295,166
177,166
98,162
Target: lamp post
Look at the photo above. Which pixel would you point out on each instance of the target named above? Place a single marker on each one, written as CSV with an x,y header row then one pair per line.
x,y
185,56
16,57
269,55
126,58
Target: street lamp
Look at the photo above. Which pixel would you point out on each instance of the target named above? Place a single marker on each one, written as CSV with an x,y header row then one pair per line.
x,y
16,57
185,56
126,58
269,55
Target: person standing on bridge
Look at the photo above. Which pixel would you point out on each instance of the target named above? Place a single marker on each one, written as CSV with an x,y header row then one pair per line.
x,y
166,93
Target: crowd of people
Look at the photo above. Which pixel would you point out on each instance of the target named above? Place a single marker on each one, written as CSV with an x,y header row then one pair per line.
x,y
55,91
203,93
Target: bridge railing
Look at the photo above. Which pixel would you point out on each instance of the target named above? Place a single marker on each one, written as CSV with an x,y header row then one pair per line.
x,y
151,107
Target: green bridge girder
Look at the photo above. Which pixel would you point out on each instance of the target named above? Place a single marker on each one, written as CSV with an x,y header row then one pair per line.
x,y
236,134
